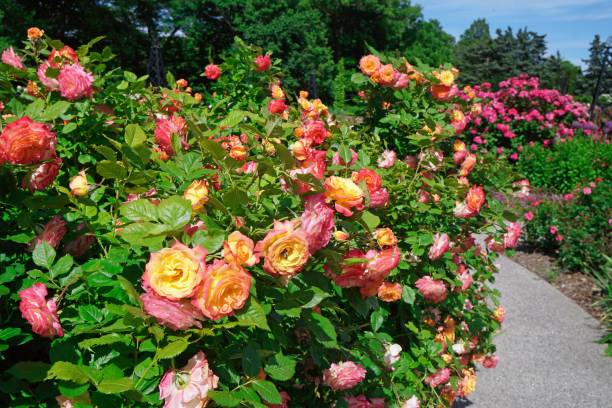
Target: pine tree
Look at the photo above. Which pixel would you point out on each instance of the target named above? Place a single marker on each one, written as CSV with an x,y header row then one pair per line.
x,y
474,54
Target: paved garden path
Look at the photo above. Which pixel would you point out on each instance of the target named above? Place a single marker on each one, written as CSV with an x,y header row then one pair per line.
x,y
547,350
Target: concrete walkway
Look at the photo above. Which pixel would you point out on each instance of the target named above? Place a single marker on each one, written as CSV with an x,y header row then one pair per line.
x,y
547,350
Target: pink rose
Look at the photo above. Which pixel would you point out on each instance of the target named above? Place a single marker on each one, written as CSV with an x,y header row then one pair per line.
x,y
401,81
512,236
42,176
27,142
559,238
553,230
10,58
262,63
586,191
277,106
434,291
466,280
177,315
442,376
189,386
382,262
50,83
528,216
39,312
439,247
490,361
343,375
75,82
165,128
317,222
361,401
413,402
387,159
212,72
52,233
568,196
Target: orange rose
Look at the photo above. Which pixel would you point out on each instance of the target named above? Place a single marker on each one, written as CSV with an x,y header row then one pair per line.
x,y
369,64
385,237
285,249
390,292
238,152
386,74
341,236
224,289
197,194
345,193
27,142
35,33
475,198
238,250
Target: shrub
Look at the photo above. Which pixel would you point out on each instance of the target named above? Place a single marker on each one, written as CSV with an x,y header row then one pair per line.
x,y
563,166
232,242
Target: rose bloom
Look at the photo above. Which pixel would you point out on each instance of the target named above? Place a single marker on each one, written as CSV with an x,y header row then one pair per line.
x,y
568,196
197,194
528,216
390,292
467,384
52,233
379,197
586,191
553,230
74,82
315,131
78,185
512,236
175,314
317,222
301,149
42,176
35,33
466,280
65,54
559,238
212,72
467,164
189,386
175,272
369,64
224,289
401,81
277,106
238,250
490,361
385,237
276,91
434,291
238,152
27,142
446,77
380,263
439,246
343,236
10,58
442,376
165,128
499,314
285,398
413,402
391,355
385,75
262,63
361,401
343,375
40,312
284,248
440,92
475,198
387,159
345,194
462,210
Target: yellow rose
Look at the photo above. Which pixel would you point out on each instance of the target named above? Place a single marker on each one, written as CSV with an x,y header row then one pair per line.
x,y
345,193
285,249
175,272
277,92
35,33
197,194
385,237
446,77
78,185
341,236
238,250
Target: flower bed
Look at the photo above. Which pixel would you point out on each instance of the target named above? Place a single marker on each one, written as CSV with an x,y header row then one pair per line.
x,y
234,245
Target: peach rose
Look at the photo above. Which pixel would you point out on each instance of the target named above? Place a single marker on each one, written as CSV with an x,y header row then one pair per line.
x,y
467,163
285,249
40,312
379,197
239,250
386,75
343,375
175,314
189,386
10,58
175,272
499,314
440,92
27,142
345,193
390,292
315,131
434,291
475,198
381,263
197,194
385,237
224,289
35,33
369,64
74,82
78,185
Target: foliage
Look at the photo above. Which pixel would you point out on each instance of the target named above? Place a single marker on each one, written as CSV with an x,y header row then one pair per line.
x,y
562,167
143,170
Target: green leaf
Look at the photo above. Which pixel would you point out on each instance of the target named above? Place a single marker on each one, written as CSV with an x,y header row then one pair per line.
x,y
43,255
139,210
211,239
267,391
235,198
321,328
113,386
134,135
224,398
345,154
55,110
35,108
30,371
233,119
111,170
214,148
253,315
174,211
377,318
104,340
280,367
62,266
251,363
129,289
173,349
408,294
371,220
91,313
63,370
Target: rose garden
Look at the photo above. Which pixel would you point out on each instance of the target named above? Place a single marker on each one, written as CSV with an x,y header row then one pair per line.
x,y
230,241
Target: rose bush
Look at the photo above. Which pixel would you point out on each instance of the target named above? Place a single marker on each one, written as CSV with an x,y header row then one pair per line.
x,y
248,237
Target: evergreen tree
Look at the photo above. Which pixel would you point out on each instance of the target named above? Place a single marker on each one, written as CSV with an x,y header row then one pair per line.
x,y
431,44
594,65
474,54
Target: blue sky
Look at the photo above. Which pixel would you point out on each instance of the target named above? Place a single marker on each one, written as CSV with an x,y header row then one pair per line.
x,y
569,25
